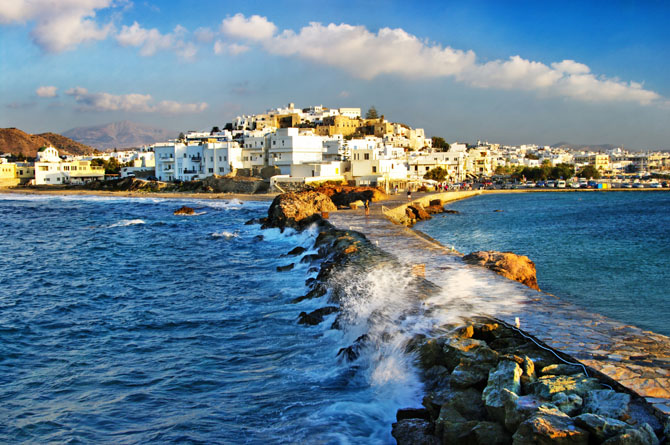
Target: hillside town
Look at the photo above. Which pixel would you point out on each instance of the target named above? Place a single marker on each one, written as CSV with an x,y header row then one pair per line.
x,y
291,146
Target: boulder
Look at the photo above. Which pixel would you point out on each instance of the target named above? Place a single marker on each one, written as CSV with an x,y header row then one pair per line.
x,y
419,211
414,432
412,413
503,380
470,372
509,265
297,210
520,408
285,268
599,427
486,433
550,426
183,210
634,436
457,349
316,317
548,385
451,425
296,251
466,402
561,369
570,404
608,403
343,195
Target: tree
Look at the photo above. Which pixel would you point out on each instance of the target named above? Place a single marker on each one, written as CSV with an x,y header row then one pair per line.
x,y
112,166
215,129
589,172
181,137
436,174
372,113
440,143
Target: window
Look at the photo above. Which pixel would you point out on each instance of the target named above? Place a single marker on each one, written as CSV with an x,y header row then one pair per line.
x,y
367,156
219,158
211,170
184,155
221,169
374,169
225,158
211,158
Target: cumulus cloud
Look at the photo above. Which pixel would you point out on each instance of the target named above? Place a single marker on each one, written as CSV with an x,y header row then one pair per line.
x,y
151,40
137,103
204,35
254,28
58,25
232,49
367,54
46,91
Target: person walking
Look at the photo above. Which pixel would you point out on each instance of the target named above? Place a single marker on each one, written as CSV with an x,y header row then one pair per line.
x,y
367,207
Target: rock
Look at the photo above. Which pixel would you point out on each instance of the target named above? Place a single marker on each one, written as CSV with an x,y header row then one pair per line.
x,y
639,436
550,426
608,403
451,425
296,251
433,210
486,433
548,385
561,369
285,268
431,353
467,402
451,211
412,413
520,408
506,376
599,427
310,258
352,352
319,290
356,204
457,349
414,432
183,210
570,404
343,195
435,203
316,317
509,265
466,331
528,367
486,331
297,210
419,211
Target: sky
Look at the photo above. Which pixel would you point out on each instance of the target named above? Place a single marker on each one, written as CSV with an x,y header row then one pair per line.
x,y
508,72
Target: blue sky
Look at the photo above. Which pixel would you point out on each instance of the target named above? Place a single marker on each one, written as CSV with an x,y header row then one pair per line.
x,y
510,72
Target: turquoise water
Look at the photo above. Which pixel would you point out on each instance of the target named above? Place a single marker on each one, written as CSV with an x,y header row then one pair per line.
x,y
122,323
608,252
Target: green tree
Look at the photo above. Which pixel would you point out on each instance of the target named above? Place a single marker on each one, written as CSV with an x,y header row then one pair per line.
x,y
436,174
589,172
181,137
112,166
562,171
215,129
372,113
532,156
440,143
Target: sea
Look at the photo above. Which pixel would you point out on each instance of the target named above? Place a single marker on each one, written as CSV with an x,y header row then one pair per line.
x,y
607,252
123,323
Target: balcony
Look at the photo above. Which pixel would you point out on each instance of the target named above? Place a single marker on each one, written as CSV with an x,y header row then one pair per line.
x,y
190,172
196,159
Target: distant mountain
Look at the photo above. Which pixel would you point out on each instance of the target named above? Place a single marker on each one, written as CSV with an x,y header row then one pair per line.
x,y
118,135
15,141
585,147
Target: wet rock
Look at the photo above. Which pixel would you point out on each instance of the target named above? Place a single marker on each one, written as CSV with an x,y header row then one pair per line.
x,y
285,268
299,250
451,211
486,330
414,432
599,427
509,265
505,378
431,353
470,372
259,238
434,209
457,349
608,403
183,210
412,413
486,433
310,258
352,352
570,404
548,385
550,426
467,402
297,210
638,436
316,317
419,212
520,408
451,425
528,366
561,369
435,203
466,331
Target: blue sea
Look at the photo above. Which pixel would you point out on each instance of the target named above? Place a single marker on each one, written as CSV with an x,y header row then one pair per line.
x,y
123,323
608,252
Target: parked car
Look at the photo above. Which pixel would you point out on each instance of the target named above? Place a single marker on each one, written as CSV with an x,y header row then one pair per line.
x,y
638,185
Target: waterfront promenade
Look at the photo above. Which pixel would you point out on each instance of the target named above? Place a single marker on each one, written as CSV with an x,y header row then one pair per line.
x,y
637,359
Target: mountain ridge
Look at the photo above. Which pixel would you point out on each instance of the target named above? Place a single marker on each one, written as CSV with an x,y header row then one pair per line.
x,y
122,134
18,142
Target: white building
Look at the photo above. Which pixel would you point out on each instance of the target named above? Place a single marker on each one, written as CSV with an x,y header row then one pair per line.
x,y
288,146
369,168
50,169
180,162
454,162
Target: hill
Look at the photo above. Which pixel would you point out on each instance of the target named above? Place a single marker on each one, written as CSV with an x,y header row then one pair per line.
x,y
123,134
587,147
13,140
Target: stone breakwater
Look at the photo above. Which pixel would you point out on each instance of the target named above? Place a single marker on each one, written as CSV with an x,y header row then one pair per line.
x,y
486,382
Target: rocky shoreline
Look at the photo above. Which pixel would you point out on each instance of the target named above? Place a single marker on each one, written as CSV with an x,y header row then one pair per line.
x,y
487,382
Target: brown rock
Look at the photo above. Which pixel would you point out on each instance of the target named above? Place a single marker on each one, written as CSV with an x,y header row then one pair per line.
x,y
343,195
414,432
297,209
509,265
183,210
550,426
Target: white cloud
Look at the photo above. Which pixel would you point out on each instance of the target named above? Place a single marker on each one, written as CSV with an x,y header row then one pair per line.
x,y
204,35
46,91
366,54
151,40
254,28
137,103
232,49
59,25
